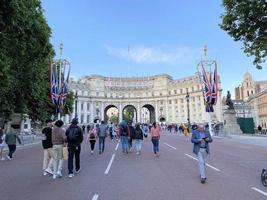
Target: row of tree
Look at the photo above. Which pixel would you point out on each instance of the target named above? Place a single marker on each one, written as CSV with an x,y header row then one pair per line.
x,y
25,57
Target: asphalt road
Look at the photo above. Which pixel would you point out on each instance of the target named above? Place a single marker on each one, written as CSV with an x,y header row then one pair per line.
x,y
233,173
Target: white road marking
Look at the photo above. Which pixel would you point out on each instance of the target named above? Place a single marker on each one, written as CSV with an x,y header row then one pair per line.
x,y
169,145
117,146
109,164
216,169
260,191
95,197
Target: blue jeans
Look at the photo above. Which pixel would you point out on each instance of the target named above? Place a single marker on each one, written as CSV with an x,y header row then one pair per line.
x,y
125,144
138,145
202,162
155,145
102,144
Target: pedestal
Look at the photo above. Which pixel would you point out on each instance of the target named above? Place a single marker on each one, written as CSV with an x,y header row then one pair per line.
x,y
231,127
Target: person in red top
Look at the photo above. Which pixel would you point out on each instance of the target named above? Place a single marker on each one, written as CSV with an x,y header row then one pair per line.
x,y
155,136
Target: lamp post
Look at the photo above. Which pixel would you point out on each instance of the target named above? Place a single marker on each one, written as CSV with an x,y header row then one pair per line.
x,y
76,101
188,110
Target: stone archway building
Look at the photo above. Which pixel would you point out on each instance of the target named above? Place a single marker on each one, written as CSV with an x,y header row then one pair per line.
x,y
160,92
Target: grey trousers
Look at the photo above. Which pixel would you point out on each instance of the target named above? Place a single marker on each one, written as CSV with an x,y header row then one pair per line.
x,y
202,155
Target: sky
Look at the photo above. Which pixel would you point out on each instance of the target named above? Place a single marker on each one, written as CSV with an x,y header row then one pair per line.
x,y
146,37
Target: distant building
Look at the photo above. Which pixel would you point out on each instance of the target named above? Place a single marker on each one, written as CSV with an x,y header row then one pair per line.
x,y
157,98
252,95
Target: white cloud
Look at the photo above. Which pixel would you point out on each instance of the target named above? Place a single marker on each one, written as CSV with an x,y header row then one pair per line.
x,y
157,55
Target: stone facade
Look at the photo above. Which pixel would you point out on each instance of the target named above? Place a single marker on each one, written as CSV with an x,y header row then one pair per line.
x,y
164,97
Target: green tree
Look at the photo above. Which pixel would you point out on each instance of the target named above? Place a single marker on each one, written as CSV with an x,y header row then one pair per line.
x,y
246,21
127,116
68,109
25,56
114,119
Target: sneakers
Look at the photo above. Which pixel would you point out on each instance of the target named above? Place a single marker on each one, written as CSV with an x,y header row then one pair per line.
x,y
59,174
8,157
3,158
78,171
48,170
71,175
54,176
203,180
92,152
45,173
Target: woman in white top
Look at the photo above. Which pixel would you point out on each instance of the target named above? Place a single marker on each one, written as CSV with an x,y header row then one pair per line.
x,y
2,143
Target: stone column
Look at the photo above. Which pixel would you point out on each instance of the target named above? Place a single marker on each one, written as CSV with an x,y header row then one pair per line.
x,y
138,113
167,110
92,112
102,111
120,113
156,111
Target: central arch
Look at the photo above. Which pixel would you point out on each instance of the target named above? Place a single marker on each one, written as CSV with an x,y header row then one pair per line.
x,y
148,114
129,114
111,114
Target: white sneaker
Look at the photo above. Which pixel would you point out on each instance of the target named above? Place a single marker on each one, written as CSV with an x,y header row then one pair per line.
x,y
92,152
44,173
59,174
3,158
54,176
71,175
48,170
8,158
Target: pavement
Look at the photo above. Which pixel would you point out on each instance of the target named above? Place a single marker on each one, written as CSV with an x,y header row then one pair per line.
x,y
233,172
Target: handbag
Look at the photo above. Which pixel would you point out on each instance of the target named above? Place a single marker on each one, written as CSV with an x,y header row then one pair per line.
x,y
65,153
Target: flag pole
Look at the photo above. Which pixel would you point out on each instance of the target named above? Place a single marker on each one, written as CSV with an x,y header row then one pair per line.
x,y
60,79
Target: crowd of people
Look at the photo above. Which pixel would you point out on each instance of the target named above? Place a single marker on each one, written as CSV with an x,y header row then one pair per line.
x,y
61,144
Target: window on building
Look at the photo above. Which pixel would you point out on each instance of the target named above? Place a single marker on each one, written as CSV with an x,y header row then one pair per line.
x,y
192,89
88,119
198,87
181,91
169,92
170,101
176,101
248,93
251,91
160,94
186,89
97,94
88,105
161,102
193,98
82,116
182,100
175,91
81,106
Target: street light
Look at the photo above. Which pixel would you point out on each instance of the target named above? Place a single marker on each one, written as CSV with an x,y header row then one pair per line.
x,y
188,111
76,101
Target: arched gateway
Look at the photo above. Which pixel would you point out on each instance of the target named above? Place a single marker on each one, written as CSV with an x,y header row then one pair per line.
x,y
141,99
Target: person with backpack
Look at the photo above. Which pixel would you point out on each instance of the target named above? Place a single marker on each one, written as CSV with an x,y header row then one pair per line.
x,y
11,141
102,134
2,143
47,147
124,134
58,141
138,139
91,138
74,138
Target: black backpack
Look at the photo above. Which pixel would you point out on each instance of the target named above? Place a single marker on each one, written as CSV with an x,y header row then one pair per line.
x,y
73,134
110,129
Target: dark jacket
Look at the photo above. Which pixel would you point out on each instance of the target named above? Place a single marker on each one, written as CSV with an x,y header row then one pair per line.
x,y
138,134
47,142
195,138
11,139
132,132
79,135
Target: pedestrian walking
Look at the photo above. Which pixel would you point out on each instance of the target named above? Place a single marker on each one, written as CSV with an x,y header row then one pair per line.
x,y
2,143
58,141
91,138
155,136
102,134
110,130
138,139
201,140
132,135
47,148
74,138
11,141
124,134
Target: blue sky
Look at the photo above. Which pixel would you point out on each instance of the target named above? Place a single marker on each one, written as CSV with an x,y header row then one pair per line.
x,y
145,37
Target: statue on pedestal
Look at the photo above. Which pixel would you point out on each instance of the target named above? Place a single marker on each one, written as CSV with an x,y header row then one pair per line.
x,y
229,102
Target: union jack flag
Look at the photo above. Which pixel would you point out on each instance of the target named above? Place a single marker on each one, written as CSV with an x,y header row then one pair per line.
x,y
53,84
210,88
